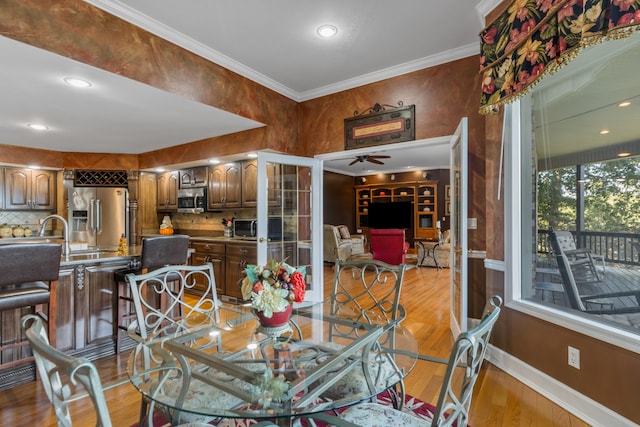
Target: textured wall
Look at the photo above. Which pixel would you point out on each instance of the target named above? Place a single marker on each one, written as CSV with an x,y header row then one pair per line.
x,y
77,30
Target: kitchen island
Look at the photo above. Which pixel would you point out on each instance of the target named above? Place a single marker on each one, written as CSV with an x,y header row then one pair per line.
x,y
87,296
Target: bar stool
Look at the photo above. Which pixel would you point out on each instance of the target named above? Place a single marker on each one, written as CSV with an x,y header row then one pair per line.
x,y
29,278
157,251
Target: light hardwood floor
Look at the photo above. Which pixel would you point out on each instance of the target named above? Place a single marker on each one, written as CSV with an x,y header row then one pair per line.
x,y
499,399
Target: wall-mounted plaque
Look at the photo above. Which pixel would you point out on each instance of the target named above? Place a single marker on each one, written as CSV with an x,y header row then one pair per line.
x,y
380,127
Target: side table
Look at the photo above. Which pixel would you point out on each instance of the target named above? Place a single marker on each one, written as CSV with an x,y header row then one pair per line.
x,y
428,247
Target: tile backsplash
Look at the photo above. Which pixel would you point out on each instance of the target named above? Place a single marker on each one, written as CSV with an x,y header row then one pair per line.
x,y
29,219
207,221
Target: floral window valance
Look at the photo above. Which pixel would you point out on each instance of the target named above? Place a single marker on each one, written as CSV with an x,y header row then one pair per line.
x,y
534,37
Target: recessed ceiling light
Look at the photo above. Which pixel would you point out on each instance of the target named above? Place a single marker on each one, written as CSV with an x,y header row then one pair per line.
x,y
36,126
604,131
327,31
159,169
214,161
75,82
252,155
624,154
624,104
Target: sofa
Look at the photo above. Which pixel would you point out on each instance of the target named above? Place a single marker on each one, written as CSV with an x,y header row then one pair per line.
x,y
340,244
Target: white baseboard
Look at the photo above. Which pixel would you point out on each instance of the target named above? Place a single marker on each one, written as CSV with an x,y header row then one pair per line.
x,y
581,406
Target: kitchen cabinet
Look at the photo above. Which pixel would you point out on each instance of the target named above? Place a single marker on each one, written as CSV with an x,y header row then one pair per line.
x,y
250,184
214,253
168,191
239,255
29,189
225,186
194,177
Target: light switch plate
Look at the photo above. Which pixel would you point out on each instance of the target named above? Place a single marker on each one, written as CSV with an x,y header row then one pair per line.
x,y
472,223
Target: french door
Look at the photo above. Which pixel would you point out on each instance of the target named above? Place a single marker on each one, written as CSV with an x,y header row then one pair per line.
x,y
459,197
290,215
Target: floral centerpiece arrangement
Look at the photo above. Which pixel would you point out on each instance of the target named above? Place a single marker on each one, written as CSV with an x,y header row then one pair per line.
x,y
274,287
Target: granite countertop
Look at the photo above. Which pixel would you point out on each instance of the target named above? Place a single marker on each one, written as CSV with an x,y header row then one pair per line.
x,y
94,256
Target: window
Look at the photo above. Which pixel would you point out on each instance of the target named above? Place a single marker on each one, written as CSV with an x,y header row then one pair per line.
x,y
574,165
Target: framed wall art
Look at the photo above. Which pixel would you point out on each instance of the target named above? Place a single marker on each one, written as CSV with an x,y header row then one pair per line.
x,y
380,126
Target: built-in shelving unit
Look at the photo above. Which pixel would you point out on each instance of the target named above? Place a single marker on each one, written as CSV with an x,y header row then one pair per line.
x,y
423,195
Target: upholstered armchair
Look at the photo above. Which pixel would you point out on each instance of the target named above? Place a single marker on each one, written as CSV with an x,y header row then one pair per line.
x,y
389,245
339,244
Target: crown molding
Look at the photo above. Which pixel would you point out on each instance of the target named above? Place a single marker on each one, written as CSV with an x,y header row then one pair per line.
x,y
134,17
396,70
484,7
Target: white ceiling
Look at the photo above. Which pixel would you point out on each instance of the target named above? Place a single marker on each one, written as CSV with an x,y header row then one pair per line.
x,y
271,42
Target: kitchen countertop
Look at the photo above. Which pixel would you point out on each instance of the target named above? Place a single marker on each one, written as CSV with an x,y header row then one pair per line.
x,y
85,257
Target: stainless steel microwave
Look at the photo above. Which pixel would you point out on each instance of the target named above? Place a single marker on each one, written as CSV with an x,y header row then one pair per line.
x,y
192,200
249,228
245,227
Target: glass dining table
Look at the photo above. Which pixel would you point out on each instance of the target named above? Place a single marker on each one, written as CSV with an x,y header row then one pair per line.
x,y
225,365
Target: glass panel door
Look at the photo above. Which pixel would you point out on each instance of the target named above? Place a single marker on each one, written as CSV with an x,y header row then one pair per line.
x,y
289,229
459,197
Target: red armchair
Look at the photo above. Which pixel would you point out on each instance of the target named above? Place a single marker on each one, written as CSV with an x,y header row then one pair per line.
x,y
389,245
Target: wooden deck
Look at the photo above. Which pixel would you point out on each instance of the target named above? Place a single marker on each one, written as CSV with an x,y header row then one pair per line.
x,y
613,278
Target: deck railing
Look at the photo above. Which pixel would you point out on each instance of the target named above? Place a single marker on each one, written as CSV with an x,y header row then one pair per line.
x,y
617,248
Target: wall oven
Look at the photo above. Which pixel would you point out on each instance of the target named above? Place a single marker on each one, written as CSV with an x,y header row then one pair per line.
x,y
192,200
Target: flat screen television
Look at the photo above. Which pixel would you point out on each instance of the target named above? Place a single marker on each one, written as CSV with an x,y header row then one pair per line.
x,y
391,215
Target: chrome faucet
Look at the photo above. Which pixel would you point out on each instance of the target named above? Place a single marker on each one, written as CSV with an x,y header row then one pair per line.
x,y
66,248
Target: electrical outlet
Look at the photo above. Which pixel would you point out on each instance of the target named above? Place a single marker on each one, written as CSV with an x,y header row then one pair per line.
x,y
574,357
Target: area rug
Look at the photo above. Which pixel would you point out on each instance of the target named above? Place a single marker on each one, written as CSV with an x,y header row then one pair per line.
x,y
412,405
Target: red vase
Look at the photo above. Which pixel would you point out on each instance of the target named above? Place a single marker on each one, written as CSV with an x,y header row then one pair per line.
x,y
277,319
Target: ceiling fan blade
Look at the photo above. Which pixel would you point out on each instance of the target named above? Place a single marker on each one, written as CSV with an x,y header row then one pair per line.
x,y
379,157
354,162
372,160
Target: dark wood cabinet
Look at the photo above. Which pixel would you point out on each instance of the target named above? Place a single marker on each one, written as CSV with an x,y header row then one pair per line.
x,y
239,255
194,177
168,191
86,308
250,184
225,186
214,253
29,189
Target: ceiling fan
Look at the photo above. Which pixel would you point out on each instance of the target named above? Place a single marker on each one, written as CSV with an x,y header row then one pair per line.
x,y
368,158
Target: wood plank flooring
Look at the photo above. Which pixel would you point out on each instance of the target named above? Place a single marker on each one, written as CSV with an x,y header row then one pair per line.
x,y
499,399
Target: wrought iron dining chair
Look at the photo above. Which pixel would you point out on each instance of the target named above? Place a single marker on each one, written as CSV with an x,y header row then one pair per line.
x,y
154,322
157,251
61,373
454,401
367,291
170,284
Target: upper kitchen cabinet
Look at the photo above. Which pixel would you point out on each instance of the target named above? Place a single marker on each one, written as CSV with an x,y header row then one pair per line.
x,y
29,189
195,177
168,191
225,186
250,184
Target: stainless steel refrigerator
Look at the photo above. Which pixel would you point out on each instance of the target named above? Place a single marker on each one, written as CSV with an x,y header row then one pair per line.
x,y
98,215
